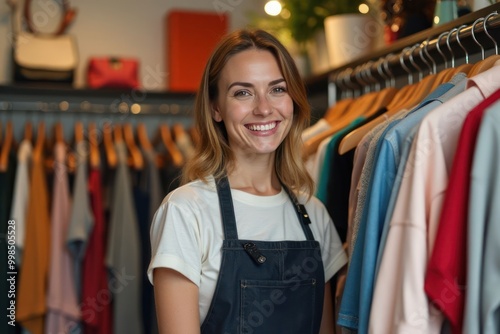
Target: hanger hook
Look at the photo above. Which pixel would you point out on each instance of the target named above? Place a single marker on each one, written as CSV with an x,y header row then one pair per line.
x,y
434,66
380,71
359,80
376,83
403,65
460,43
345,93
449,47
485,26
388,71
475,38
414,63
421,54
348,82
439,48
367,77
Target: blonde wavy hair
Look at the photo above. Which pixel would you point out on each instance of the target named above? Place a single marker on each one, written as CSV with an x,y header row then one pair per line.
x,y
213,154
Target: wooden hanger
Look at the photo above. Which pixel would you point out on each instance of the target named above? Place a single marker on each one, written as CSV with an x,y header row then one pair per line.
x,y
59,133
338,110
94,155
72,157
40,142
165,137
136,158
396,101
485,65
142,136
362,106
111,157
28,131
6,147
78,132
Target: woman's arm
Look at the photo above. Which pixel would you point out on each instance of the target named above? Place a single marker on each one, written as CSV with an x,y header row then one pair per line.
x,y
327,321
176,300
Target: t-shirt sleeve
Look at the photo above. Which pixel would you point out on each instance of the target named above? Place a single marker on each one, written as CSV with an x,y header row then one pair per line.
x,y
332,251
175,242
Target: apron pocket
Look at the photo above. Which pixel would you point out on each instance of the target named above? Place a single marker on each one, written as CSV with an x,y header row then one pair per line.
x,y
278,306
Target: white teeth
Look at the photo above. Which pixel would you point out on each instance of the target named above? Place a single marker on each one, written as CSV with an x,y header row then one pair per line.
x,y
265,127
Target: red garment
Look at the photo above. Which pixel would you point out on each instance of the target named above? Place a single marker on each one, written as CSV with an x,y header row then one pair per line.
x,y
96,296
445,280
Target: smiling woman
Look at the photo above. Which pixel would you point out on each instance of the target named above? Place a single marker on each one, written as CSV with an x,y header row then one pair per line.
x,y
257,112
260,260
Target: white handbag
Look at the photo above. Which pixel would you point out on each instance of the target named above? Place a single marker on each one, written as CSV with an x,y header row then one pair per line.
x,y
43,57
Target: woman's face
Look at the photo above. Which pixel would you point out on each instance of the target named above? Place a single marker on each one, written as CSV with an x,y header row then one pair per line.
x,y
253,103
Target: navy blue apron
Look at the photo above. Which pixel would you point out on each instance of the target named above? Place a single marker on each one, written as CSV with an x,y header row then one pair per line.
x,y
266,287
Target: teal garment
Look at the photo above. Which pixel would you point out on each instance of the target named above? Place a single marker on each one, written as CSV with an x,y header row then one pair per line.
x,y
360,282
482,301
333,144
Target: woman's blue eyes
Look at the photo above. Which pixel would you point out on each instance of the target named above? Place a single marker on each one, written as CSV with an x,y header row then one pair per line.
x,y
279,89
241,93
274,90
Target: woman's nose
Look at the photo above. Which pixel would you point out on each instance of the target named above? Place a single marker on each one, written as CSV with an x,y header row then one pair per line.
x,y
263,106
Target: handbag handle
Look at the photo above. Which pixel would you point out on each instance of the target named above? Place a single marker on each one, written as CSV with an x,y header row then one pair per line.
x,y
68,16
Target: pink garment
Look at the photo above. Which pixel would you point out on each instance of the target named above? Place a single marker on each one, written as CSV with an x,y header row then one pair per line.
x,y
63,309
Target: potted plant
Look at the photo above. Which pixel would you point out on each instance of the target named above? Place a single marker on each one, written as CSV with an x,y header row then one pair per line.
x,y
301,27
314,22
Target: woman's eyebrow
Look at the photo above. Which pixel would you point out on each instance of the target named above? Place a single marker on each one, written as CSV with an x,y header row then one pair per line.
x,y
249,85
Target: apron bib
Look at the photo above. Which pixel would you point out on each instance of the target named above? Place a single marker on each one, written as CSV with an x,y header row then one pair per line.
x,y
266,287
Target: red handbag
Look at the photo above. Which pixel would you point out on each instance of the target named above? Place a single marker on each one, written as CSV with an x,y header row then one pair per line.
x,y
113,73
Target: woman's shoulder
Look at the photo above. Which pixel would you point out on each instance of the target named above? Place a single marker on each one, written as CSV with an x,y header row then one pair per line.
x,y
192,192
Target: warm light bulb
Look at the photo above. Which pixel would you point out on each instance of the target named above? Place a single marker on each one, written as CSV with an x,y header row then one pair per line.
x,y
273,7
436,20
363,8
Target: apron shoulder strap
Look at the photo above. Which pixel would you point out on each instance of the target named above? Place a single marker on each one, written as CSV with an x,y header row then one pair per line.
x,y
304,219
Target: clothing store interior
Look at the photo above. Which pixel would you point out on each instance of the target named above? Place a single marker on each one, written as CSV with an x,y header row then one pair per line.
x,y
96,123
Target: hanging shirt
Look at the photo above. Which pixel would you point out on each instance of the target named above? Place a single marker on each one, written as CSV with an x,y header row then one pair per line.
x,y
482,298
445,277
63,311
21,195
82,219
96,305
359,159
123,251
411,231
356,301
366,172
329,172
31,298
148,196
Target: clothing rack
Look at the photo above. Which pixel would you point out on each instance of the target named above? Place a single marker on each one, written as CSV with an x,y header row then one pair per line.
x,y
107,101
465,40
20,104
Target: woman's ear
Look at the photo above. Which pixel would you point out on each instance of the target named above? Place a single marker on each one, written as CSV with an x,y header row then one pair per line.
x,y
216,113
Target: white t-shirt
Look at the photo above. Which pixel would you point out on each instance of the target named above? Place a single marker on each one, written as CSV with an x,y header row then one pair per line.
x,y
187,234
